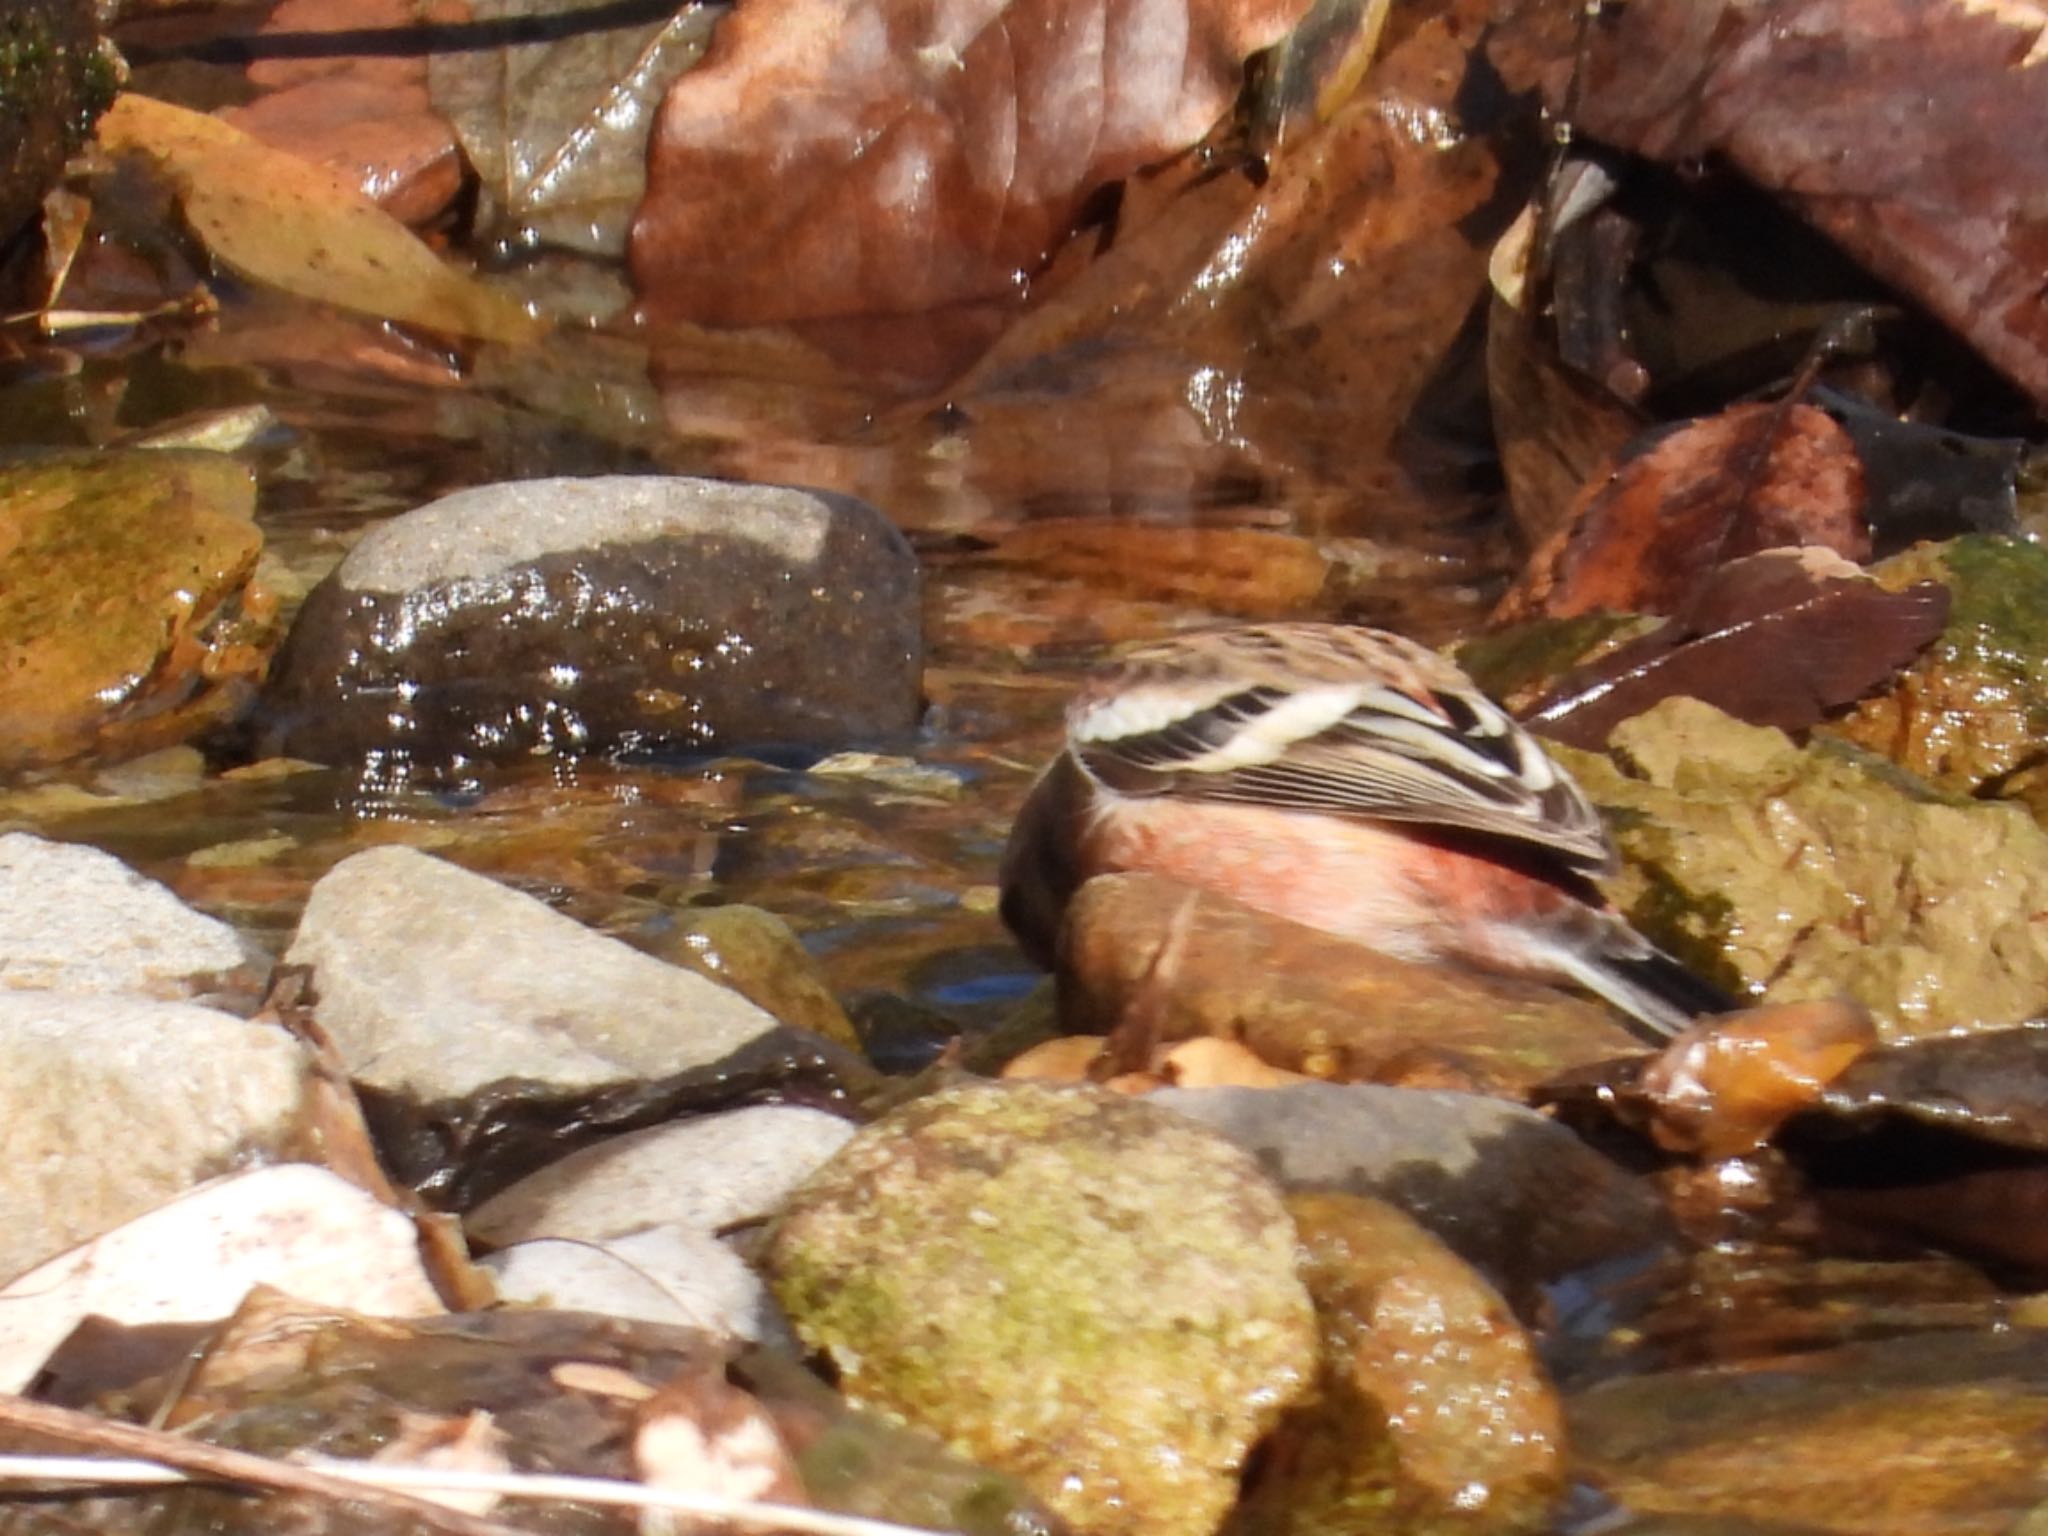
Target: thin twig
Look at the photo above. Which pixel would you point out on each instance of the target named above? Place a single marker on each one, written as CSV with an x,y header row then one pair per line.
x,y
168,1458
219,1463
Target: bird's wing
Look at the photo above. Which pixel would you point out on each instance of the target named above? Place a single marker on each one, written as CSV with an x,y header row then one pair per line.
x,y
1442,756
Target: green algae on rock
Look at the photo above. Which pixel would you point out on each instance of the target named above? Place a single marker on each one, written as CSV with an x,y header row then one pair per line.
x,y
128,614
1086,1291
1974,707
1432,1411
1810,872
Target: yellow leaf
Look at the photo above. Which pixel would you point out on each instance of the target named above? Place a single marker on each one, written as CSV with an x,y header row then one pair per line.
x,y
301,227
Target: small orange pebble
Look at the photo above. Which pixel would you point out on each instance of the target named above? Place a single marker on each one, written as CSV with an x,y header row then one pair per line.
x,y
1725,1086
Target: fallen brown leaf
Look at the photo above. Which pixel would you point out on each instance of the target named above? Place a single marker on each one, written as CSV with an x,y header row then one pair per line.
x,y
842,157
1642,535
1776,639
303,228
1903,130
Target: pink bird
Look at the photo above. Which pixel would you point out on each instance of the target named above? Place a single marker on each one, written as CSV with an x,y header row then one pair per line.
x,y
1347,779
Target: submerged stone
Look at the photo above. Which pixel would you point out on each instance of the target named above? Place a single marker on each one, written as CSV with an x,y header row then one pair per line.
x,y
571,616
128,615
1091,1293
1432,1412
1895,1438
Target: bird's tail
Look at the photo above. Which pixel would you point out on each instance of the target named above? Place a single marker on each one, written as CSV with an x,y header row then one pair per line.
x,y
1642,981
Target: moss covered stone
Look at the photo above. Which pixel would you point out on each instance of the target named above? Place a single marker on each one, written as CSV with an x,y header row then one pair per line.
x,y
1974,707
1084,1290
1798,873
128,614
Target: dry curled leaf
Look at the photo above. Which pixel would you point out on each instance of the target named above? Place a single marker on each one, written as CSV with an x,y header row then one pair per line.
x,y
303,228
1775,639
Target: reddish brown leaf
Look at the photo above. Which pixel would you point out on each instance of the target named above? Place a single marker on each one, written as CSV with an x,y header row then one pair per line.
x,y
838,157
1642,536
1776,639
1907,131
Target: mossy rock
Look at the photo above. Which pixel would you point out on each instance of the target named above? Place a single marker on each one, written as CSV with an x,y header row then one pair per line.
x,y
1974,707
1795,872
129,618
1089,1292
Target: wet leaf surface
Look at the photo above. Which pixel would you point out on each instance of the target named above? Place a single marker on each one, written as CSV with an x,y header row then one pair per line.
x,y
1642,538
1778,639
795,177
557,131
282,220
367,118
1804,102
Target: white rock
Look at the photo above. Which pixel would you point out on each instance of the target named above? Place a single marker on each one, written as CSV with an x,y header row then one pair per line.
x,y
434,981
110,1106
702,1174
296,1227
664,1274
75,919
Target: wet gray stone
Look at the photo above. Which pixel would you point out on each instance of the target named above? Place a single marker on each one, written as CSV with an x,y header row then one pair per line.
x,y
434,982
703,1174
75,919
603,614
110,1106
1515,1195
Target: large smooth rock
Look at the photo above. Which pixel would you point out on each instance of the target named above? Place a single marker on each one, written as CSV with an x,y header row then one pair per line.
x,y
112,1105
434,982
1080,1289
1800,873
700,1174
75,919
589,615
